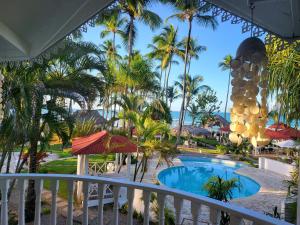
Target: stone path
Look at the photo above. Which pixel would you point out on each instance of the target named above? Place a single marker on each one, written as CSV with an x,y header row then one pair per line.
x,y
272,192
15,157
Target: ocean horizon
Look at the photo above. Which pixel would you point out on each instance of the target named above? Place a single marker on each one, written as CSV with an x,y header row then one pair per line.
x,y
188,118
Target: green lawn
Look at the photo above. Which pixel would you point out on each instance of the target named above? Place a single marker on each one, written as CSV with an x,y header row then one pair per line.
x,y
68,166
212,142
57,149
202,150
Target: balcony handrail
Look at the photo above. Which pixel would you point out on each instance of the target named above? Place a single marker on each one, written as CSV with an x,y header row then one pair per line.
x,y
232,209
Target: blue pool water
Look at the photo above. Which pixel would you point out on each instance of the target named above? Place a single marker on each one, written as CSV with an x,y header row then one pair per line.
x,y
197,170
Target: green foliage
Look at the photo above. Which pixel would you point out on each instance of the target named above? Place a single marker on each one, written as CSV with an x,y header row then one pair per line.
x,y
221,190
284,80
292,183
208,105
84,128
223,149
209,141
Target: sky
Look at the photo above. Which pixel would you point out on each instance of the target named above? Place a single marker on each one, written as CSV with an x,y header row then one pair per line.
x,y
219,43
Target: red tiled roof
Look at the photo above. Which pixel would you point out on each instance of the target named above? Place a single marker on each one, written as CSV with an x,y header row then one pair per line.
x,y
102,142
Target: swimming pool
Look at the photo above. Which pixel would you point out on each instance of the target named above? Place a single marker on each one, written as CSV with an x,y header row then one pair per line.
x,y
196,171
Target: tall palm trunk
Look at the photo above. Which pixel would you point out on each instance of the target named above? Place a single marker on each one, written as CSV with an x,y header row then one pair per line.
x,y
228,86
167,81
114,96
33,140
130,39
181,117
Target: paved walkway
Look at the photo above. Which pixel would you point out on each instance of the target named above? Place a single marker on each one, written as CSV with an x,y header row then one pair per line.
x,y
15,157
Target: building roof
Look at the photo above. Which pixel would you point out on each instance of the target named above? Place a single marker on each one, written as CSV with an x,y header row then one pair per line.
x,y
84,115
29,28
279,17
102,143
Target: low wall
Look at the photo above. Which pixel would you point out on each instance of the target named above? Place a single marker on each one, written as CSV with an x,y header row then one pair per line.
x,y
275,166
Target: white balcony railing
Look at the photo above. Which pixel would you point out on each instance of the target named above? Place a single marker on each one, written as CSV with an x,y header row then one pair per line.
x,y
238,215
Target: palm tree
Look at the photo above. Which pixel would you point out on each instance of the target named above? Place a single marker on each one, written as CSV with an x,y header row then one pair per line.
x,y
164,47
146,129
110,50
193,112
35,91
193,88
172,94
136,10
225,65
112,23
194,51
222,190
189,11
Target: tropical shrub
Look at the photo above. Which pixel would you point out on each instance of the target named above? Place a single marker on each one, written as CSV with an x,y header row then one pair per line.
x,y
223,149
84,128
222,190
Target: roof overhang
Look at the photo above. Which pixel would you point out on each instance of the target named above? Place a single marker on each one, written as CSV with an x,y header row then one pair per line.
x,y
28,28
279,17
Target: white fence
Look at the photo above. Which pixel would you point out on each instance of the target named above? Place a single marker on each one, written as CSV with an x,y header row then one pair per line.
x,y
275,166
237,214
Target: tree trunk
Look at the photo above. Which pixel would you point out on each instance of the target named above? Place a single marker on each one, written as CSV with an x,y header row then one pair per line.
x,y
33,163
228,86
115,94
167,82
181,117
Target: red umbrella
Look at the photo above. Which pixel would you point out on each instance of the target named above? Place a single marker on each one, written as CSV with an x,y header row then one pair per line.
x,y
272,134
225,129
278,126
294,133
102,142
282,131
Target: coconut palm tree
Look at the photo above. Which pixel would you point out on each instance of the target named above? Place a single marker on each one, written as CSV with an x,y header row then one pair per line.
x,y
195,50
112,23
225,65
136,10
165,46
193,112
110,50
189,11
172,94
193,88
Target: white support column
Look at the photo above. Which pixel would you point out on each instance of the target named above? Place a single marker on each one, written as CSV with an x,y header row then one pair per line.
x,y
86,165
129,166
130,197
116,192
82,169
146,199
178,202
161,204
38,201
4,201
21,187
54,190
70,202
100,203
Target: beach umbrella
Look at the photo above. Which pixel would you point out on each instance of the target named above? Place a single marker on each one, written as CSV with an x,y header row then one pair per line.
x,y
278,135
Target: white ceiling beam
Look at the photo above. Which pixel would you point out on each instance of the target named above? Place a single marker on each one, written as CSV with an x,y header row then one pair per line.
x,y
14,39
54,36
